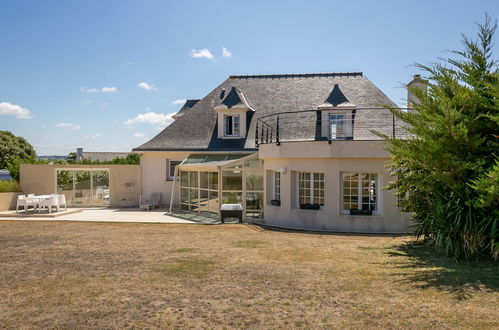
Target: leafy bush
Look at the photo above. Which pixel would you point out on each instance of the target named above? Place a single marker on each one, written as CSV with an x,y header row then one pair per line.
x,y
450,168
9,186
12,147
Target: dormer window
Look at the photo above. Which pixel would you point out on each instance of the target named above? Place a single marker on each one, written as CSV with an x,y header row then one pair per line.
x,y
337,116
232,115
337,126
232,125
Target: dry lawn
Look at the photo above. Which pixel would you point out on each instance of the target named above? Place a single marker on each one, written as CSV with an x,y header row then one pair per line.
x,y
102,275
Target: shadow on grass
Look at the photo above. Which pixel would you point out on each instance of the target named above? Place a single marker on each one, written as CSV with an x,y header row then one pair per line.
x,y
424,268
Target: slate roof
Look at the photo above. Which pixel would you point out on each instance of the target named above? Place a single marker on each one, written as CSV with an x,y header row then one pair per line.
x,y
103,156
196,129
187,105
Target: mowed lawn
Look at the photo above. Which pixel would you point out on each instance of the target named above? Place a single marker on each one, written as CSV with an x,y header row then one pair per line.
x,y
103,275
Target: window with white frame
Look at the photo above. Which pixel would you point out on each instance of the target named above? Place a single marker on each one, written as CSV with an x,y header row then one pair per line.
x,y
360,191
277,185
231,125
337,126
170,168
311,188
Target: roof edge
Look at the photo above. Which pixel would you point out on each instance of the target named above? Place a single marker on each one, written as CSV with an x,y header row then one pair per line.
x,y
220,150
298,75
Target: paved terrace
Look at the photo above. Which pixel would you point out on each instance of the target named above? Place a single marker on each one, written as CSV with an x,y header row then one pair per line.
x,y
113,215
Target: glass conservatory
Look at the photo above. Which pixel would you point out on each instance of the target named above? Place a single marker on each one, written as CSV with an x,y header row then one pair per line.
x,y
208,181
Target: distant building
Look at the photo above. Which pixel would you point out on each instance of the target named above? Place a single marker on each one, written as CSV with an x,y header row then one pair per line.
x,y
100,156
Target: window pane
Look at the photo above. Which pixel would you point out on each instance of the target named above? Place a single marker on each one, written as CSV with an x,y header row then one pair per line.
x,y
253,163
232,180
213,203
254,180
194,196
228,125
236,125
171,169
184,179
203,180
254,200
203,201
337,123
232,197
184,195
213,180
65,185
350,191
277,185
82,188
304,188
100,186
193,179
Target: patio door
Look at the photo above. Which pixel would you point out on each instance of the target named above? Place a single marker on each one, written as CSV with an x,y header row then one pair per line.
x,y
84,187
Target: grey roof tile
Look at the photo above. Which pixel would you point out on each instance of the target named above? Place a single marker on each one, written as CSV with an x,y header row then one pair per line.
x,y
267,94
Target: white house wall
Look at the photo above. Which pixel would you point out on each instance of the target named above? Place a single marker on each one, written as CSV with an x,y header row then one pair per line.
x,y
153,168
389,219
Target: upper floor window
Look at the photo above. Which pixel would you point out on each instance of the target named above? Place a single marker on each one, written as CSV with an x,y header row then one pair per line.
x,y
232,125
337,126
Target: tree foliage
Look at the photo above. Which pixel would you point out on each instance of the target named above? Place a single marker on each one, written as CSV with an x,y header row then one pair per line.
x,y
450,167
12,147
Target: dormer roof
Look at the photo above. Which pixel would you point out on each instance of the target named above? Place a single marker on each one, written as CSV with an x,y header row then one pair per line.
x,y
235,99
336,99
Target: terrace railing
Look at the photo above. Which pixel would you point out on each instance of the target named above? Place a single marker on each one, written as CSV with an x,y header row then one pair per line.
x,y
360,124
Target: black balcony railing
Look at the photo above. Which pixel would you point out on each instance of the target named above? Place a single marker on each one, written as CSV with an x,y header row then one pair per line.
x,y
329,125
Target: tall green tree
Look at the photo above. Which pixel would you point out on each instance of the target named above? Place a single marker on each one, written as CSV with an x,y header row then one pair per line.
x,y
13,147
449,167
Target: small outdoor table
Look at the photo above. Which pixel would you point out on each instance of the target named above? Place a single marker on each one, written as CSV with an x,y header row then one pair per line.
x,y
231,211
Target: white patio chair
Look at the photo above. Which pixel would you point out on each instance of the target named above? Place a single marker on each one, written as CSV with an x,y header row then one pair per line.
x,y
25,203
62,201
152,202
52,201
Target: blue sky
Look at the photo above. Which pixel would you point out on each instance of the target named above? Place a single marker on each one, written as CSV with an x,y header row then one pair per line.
x,y
71,71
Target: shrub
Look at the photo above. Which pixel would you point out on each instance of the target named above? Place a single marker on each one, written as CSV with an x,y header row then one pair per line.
x,y
9,186
450,166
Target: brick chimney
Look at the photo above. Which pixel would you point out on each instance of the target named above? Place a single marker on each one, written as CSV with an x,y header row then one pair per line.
x,y
79,154
416,83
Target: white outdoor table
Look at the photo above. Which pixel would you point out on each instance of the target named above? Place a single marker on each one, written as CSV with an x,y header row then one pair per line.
x,y
37,200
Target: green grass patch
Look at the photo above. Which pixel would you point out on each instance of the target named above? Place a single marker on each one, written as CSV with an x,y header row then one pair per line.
x,y
186,266
250,244
186,250
9,186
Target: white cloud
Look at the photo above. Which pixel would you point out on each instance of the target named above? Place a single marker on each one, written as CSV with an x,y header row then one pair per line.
x,y
226,53
138,135
201,53
100,90
146,86
93,136
68,126
179,101
10,109
157,119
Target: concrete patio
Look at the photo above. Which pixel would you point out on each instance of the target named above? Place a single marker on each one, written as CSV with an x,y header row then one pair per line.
x,y
113,215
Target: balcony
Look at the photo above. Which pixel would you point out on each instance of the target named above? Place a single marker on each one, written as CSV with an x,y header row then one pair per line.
x,y
360,124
